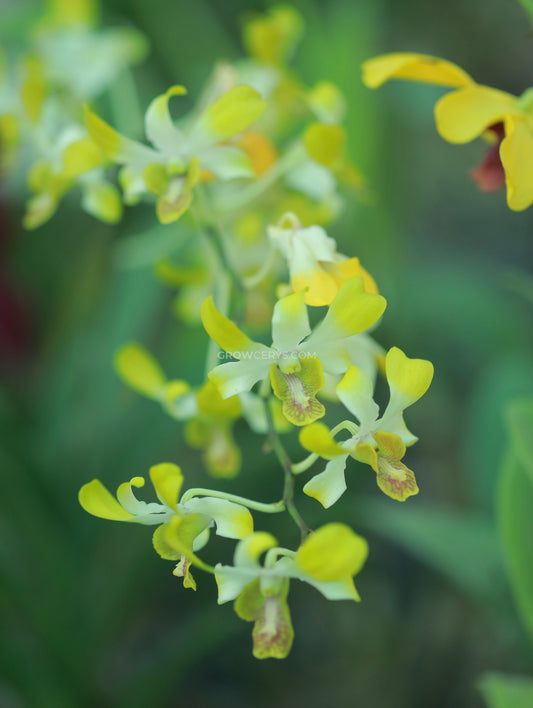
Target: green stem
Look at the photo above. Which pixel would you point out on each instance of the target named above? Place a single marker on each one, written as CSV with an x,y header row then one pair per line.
x,y
286,464
305,464
273,508
273,553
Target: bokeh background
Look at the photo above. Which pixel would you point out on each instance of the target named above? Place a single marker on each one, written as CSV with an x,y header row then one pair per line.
x,y
90,615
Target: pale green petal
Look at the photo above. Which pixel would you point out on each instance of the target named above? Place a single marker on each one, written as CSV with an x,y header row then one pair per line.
x,y
232,520
328,486
227,162
290,322
239,376
249,550
230,582
159,126
356,393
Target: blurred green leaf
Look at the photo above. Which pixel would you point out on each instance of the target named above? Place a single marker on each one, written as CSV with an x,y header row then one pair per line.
x,y
519,419
462,545
502,691
485,438
515,513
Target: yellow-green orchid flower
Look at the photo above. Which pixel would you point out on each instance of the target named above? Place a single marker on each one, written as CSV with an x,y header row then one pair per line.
x,y
231,520
172,167
471,110
315,266
209,418
297,357
378,441
328,559
70,160
272,37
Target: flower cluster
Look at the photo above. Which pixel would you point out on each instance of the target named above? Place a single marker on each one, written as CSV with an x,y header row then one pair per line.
x,y
257,171
68,61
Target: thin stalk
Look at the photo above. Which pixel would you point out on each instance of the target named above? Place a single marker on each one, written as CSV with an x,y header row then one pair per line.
x,y
286,464
273,508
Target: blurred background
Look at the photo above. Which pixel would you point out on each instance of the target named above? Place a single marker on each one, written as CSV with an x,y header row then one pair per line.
x,y
90,615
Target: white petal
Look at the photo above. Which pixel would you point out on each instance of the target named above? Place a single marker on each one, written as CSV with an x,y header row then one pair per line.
x,y
232,520
328,486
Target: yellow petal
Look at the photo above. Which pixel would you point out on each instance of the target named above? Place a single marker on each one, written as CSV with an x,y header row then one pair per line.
x,y
325,143
413,67
211,403
175,538
353,310
98,501
350,267
81,156
390,445
332,552
167,480
102,200
249,550
273,36
395,479
33,90
139,370
116,146
366,454
318,439
327,101
516,152
408,379
233,112
465,114
222,330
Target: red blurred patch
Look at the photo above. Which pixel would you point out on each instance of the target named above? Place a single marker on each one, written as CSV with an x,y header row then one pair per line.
x,y
490,176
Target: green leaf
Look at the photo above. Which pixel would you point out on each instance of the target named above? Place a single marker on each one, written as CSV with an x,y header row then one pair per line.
x,y
461,545
502,691
515,515
519,419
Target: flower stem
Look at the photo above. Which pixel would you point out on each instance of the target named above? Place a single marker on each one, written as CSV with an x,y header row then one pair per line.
x,y
286,464
273,508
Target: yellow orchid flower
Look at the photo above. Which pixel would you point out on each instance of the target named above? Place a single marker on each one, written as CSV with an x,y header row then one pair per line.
x,y
327,559
377,441
178,159
197,513
272,37
72,161
315,265
297,357
471,110
210,418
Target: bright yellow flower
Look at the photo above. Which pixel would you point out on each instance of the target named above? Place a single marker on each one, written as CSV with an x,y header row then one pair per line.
x,y
468,111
